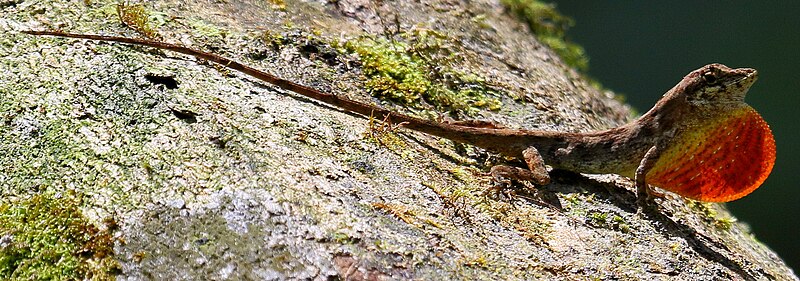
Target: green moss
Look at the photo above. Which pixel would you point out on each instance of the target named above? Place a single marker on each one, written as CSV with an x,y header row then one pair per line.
x,y
620,224
550,27
573,199
597,219
417,68
710,215
274,39
136,17
421,67
607,220
724,223
47,238
382,132
461,173
278,4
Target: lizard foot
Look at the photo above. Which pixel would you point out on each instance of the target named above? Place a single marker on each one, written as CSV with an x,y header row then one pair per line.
x,y
508,180
503,174
645,198
535,174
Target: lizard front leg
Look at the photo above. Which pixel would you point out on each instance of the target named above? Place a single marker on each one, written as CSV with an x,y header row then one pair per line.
x,y
644,194
536,172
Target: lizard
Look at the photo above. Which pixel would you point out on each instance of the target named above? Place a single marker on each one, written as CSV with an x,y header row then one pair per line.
x,y
700,140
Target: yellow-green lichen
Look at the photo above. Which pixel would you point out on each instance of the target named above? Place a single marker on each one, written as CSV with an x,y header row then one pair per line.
x,y
46,237
423,67
342,238
204,29
550,27
104,10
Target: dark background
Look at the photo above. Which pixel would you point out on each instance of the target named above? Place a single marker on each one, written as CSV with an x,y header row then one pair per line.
x,y
640,49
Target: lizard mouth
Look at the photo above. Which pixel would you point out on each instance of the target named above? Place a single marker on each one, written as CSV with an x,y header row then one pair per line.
x,y
743,84
746,78
748,74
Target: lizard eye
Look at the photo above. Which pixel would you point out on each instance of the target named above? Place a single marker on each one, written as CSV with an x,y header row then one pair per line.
x,y
710,76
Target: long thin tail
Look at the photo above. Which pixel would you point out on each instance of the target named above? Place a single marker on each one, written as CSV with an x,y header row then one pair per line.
x,y
487,138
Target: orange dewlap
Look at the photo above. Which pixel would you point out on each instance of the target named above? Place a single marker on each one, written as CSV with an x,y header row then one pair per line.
x,y
719,162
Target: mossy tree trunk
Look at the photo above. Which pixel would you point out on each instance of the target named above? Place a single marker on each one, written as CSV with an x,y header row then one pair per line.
x,y
210,173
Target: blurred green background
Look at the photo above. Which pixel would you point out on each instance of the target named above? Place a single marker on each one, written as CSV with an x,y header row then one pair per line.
x,y
640,49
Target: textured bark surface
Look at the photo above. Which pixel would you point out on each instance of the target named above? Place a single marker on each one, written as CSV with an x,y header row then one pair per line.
x,y
224,177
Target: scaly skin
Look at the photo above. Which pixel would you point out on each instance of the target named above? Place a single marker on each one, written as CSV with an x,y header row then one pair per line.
x,y
701,140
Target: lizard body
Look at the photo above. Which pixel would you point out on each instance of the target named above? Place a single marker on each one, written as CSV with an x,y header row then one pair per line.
x,y
700,140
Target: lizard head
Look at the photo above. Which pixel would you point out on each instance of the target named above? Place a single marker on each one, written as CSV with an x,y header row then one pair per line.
x,y
716,83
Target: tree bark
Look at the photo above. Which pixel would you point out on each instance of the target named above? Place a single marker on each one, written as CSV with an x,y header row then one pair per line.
x,y
223,177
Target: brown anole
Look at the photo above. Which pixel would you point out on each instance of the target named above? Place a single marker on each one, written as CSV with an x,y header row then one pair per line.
x,y
700,140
